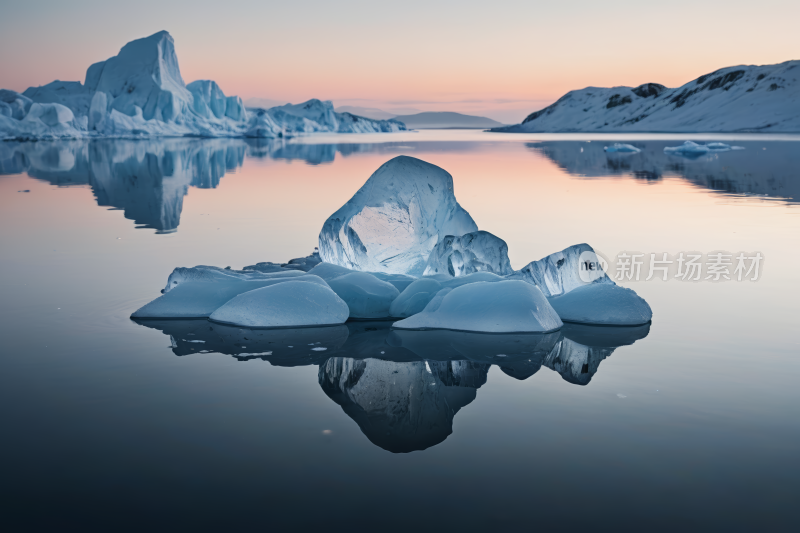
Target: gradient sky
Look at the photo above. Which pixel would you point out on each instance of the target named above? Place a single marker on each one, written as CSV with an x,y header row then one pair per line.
x,y
502,59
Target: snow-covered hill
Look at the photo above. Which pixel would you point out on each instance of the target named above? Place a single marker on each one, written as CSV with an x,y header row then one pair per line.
x,y
734,99
140,93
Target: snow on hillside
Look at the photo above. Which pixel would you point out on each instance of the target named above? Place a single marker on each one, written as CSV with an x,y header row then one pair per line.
x,y
734,99
140,93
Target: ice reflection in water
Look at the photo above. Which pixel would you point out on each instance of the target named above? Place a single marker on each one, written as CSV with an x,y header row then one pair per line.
x,y
148,179
404,388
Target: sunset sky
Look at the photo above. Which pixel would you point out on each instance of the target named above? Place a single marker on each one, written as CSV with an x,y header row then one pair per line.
x,y
501,59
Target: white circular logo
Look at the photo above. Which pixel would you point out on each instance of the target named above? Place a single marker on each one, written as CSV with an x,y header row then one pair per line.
x,y
591,266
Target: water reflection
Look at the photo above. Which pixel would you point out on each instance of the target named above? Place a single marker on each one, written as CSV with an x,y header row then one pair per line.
x,y
148,179
766,169
404,388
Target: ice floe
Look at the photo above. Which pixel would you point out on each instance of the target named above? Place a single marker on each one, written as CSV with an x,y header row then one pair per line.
x,y
501,307
284,305
621,148
693,149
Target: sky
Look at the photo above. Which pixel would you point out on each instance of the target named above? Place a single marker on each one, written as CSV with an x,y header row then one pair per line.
x,y
502,59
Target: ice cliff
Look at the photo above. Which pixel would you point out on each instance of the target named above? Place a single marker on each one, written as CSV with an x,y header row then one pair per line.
x,y
140,93
734,99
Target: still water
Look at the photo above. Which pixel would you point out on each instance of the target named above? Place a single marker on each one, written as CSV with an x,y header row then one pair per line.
x,y
109,424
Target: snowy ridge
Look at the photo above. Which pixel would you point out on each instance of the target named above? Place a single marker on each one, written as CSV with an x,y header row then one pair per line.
x,y
140,93
734,99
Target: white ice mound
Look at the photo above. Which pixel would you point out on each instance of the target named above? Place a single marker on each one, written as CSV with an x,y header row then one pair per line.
x,y
603,304
502,307
199,298
414,298
364,294
328,272
622,148
479,251
395,219
204,273
564,271
690,148
284,305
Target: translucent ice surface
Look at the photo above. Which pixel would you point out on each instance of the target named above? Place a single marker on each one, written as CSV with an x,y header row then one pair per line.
x,y
365,295
602,304
478,251
395,219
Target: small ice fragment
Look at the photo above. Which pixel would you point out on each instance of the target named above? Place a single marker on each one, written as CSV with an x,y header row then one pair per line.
x,y
318,349
501,355
291,346
327,431
621,396
383,352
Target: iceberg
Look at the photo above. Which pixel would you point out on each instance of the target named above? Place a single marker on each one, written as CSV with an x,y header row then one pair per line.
x,y
140,93
395,219
287,304
364,294
479,251
602,304
621,148
501,307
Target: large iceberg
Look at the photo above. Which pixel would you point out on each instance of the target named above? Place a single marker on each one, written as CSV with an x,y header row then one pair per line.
x,y
140,93
501,307
479,251
284,305
395,219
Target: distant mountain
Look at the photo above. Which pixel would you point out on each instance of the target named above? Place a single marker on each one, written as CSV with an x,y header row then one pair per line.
x,y
367,112
445,120
734,99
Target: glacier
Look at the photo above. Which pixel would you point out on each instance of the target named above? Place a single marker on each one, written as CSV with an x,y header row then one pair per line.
x,y
395,219
745,98
140,93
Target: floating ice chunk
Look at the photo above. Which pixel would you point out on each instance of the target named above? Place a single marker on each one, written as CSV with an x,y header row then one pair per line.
x,y
560,272
501,307
622,148
479,251
328,272
414,298
200,298
692,149
284,305
365,295
602,304
395,219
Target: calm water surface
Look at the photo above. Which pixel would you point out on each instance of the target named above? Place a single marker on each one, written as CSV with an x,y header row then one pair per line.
x,y
109,424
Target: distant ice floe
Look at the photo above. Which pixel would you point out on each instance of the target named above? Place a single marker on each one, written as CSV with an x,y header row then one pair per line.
x,y
622,148
403,248
690,148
